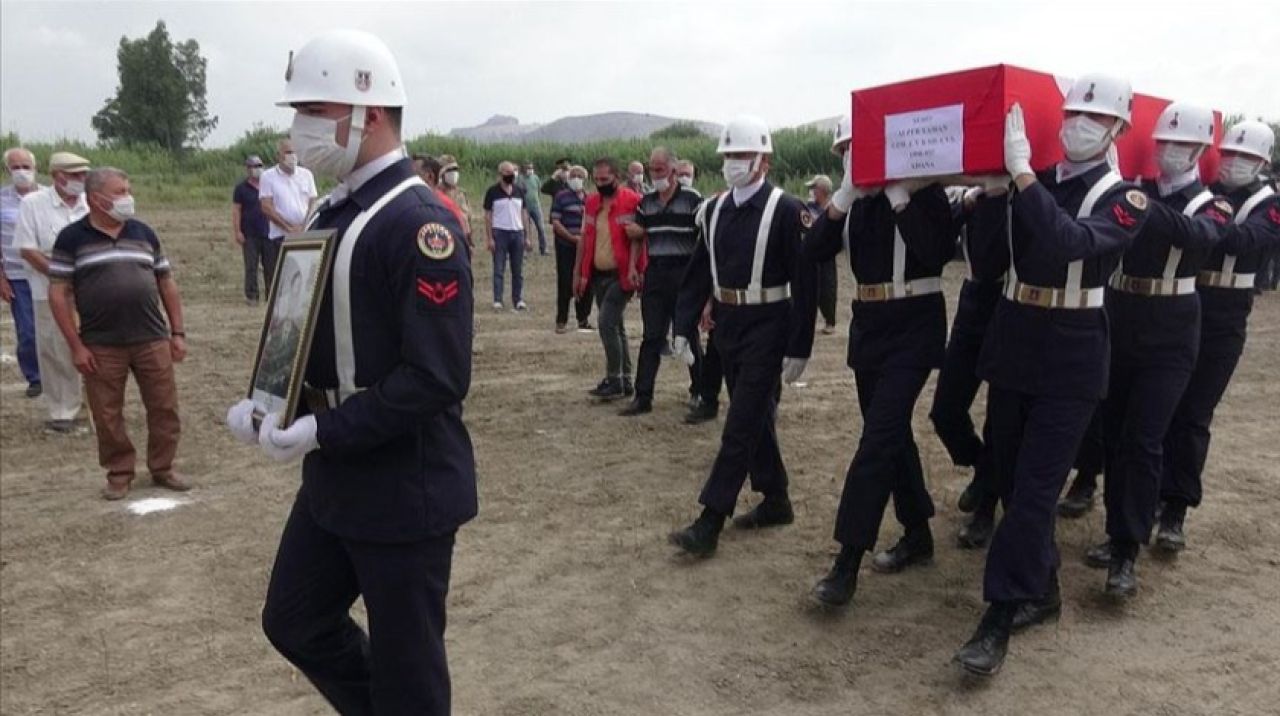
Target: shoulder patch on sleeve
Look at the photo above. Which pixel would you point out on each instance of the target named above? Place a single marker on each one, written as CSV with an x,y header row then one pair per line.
x,y
1273,213
806,219
435,241
437,290
1224,206
1137,198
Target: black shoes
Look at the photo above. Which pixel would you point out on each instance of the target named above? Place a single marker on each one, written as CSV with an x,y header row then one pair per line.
x,y
915,547
1038,611
1079,498
970,498
984,653
638,406
35,390
1122,574
1170,537
977,532
773,511
701,537
702,413
610,389
837,588
1099,556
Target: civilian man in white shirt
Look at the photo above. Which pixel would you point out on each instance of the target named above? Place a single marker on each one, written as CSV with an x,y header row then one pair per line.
x,y
41,216
287,193
504,221
20,165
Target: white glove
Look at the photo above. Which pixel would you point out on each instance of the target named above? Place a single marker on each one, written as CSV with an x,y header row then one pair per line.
x,y
284,445
680,349
1017,148
899,192
240,421
995,184
793,368
971,196
847,193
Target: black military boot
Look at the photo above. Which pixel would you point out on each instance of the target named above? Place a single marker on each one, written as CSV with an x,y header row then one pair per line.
x,y
915,547
773,510
837,588
984,654
637,406
1099,556
970,498
1079,498
1122,575
977,532
701,413
1170,537
1038,611
701,537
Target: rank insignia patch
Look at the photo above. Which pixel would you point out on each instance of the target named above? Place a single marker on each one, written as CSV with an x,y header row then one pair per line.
x,y
1137,198
1123,217
435,241
437,291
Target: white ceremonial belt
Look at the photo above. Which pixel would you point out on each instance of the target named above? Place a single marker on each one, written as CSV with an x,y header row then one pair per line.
x,y
1029,295
748,297
874,292
1154,286
1225,279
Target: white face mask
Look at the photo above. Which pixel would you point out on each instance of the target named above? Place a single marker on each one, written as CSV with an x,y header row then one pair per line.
x,y
737,172
256,172
73,187
315,139
812,199
1083,138
575,183
290,161
637,179
1238,171
451,177
122,209
23,178
661,184
685,181
1175,159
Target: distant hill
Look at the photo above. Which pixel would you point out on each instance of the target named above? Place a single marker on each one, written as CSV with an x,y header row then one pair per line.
x,y
586,128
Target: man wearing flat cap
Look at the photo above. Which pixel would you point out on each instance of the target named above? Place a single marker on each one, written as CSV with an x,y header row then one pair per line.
x,y
819,194
41,216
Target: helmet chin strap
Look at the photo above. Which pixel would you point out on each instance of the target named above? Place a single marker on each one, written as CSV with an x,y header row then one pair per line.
x,y
355,133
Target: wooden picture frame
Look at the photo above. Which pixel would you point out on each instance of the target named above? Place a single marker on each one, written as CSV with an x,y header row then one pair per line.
x,y
297,290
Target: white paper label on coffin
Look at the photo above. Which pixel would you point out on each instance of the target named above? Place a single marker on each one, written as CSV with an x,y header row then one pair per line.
x,y
928,142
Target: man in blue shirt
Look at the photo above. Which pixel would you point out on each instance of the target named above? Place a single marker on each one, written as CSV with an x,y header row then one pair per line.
x,y
250,227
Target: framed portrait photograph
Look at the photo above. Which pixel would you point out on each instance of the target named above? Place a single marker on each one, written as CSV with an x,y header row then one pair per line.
x,y
302,271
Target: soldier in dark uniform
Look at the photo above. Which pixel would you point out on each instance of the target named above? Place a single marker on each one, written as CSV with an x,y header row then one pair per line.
x,y
750,261
1155,320
1225,287
898,244
1045,352
388,474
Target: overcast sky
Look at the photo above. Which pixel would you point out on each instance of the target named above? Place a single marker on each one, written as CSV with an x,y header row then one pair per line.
x,y
790,62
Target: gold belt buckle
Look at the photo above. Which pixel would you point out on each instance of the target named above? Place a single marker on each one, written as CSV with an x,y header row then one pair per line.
x,y
875,292
1035,296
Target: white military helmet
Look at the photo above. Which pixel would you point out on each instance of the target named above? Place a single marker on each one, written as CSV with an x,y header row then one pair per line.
x,y
1184,122
745,133
1250,137
343,66
842,134
1101,94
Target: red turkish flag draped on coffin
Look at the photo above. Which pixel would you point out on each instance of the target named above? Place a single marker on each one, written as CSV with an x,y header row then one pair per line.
x,y
953,124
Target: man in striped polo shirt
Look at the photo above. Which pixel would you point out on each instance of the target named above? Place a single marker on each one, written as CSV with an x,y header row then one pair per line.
x,y
109,268
665,226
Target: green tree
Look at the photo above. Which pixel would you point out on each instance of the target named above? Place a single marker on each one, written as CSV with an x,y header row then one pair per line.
x,y
678,130
161,96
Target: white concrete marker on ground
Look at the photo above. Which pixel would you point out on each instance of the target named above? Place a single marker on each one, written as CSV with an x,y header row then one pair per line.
x,y
154,504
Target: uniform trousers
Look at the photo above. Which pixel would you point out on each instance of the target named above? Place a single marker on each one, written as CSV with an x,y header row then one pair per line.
x,y
1034,439
565,255
399,666
958,384
611,307
887,461
58,374
749,443
24,328
1136,414
828,283
710,373
657,309
1186,444
1091,457
152,366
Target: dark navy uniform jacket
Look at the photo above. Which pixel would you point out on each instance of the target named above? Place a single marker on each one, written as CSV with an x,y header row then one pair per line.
x,y
755,333
909,332
1165,330
1225,311
983,232
395,461
1059,352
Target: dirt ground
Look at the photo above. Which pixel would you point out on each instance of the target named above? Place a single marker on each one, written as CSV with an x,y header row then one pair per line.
x,y
566,598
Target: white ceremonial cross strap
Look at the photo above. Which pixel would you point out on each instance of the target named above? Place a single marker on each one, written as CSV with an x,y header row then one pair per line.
x,y
1075,269
343,337
1175,253
761,244
1229,260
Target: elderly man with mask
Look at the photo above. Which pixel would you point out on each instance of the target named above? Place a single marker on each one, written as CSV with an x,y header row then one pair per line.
x,y
1045,353
41,216
388,472
20,165
819,194
1225,286
287,193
